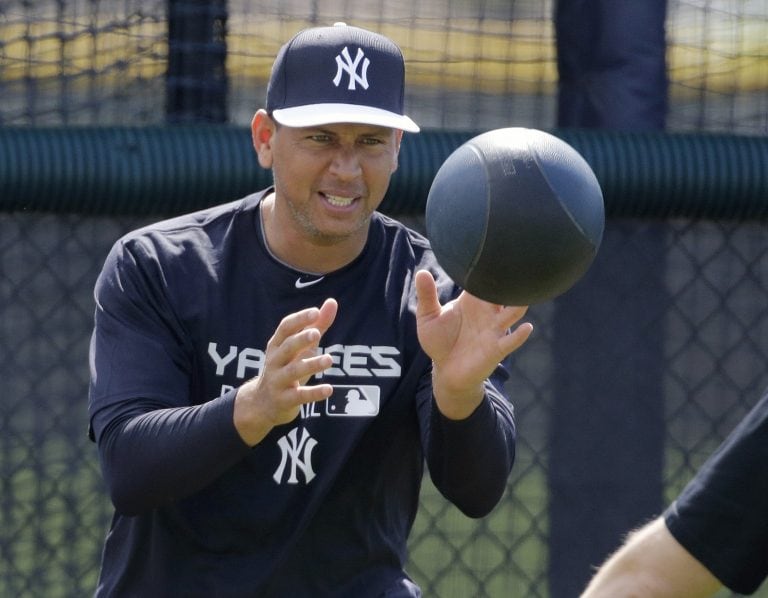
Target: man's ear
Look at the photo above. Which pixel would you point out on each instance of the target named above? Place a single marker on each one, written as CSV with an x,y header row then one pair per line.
x,y
398,140
262,130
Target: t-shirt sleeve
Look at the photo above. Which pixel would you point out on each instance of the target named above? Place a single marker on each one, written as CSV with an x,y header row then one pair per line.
x,y
470,460
721,516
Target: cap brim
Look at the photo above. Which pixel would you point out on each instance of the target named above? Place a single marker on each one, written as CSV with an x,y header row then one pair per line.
x,y
326,114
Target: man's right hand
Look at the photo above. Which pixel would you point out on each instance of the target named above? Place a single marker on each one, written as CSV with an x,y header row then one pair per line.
x,y
275,397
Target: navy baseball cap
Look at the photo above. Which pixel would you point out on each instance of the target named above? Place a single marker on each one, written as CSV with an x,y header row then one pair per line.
x,y
339,74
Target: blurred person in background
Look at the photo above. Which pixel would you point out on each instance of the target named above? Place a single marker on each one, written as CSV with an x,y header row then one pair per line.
x,y
611,61
714,534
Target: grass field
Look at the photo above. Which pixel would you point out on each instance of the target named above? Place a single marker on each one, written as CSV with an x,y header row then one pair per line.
x,y
55,515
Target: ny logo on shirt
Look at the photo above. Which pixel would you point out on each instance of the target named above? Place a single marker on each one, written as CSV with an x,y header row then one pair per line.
x,y
350,67
297,451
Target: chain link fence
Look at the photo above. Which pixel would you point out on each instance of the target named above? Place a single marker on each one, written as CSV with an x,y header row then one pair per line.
x,y
475,64
713,317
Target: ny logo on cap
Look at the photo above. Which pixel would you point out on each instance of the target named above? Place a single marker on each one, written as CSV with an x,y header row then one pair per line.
x,y
350,67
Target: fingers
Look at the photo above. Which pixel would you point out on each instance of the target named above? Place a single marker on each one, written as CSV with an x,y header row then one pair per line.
x,y
515,339
318,318
293,349
509,315
428,303
297,359
292,358
327,315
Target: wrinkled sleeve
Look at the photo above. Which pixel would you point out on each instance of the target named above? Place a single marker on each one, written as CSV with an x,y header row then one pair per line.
x,y
470,460
720,517
154,445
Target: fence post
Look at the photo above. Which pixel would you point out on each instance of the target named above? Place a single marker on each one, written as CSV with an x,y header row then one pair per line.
x,y
196,81
607,421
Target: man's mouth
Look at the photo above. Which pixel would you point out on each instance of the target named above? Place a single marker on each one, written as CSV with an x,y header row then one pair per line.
x,y
338,201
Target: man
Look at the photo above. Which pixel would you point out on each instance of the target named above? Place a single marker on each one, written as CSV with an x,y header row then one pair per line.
x,y
714,534
227,341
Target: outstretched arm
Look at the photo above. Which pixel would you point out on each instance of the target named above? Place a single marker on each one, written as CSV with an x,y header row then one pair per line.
x,y
151,454
470,441
652,564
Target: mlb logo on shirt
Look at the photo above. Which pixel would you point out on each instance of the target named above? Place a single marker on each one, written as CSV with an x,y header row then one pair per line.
x,y
353,401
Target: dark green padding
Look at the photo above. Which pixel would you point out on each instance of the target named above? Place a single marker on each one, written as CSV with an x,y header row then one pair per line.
x,y
172,169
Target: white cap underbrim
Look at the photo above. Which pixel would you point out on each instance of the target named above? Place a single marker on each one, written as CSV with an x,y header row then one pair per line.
x,y
326,114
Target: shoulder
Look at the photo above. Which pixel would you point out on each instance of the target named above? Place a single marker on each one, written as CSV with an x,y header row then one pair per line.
x,y
404,241
394,228
410,248
194,232
175,250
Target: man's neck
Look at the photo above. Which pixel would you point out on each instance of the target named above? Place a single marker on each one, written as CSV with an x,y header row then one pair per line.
x,y
301,252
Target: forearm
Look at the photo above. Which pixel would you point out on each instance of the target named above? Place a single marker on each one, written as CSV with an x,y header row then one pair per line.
x,y
152,458
470,459
652,564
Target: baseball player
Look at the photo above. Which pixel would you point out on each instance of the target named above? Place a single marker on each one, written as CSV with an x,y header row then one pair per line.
x,y
714,534
228,342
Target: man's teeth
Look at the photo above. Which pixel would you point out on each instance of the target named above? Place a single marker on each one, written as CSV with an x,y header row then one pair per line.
x,y
339,202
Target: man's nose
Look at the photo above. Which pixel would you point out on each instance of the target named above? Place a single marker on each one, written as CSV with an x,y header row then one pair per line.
x,y
346,163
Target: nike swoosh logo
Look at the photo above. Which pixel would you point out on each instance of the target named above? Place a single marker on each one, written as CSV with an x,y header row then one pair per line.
x,y
300,284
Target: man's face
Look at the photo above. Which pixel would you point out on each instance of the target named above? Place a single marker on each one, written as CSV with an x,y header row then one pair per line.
x,y
332,177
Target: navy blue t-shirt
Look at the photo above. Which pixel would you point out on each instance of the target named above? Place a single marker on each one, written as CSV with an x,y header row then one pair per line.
x,y
322,505
721,517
